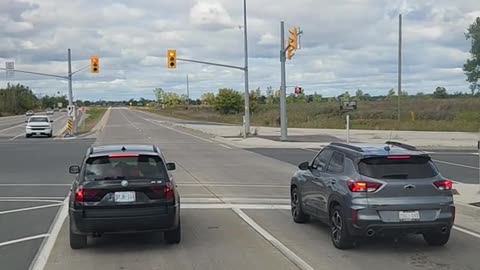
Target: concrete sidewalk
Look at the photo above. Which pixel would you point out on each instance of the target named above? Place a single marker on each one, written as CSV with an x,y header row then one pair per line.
x,y
314,138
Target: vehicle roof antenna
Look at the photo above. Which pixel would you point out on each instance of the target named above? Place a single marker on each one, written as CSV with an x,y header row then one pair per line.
x,y
123,149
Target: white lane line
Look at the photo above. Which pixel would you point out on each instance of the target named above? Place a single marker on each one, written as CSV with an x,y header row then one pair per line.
x,y
474,234
179,131
23,239
299,262
228,147
455,164
21,134
34,185
230,206
235,200
32,198
5,129
41,258
29,208
311,150
228,185
28,200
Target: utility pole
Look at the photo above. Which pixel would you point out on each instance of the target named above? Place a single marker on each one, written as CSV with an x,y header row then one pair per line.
x,y
283,86
247,94
188,92
399,64
70,93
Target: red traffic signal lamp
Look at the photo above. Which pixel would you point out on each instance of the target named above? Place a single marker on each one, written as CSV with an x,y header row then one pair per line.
x,y
298,90
171,59
95,64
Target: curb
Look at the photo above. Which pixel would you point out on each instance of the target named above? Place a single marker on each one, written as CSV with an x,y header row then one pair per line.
x,y
467,209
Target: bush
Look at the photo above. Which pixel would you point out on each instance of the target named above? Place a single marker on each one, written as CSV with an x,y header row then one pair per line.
x,y
228,100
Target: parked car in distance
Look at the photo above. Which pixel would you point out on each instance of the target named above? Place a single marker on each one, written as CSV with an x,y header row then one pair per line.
x,y
363,190
123,189
39,125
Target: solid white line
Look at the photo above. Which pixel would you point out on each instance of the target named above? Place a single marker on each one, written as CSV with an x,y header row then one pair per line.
x,y
23,239
234,200
20,200
474,234
311,150
299,262
228,147
33,185
29,208
179,131
33,198
5,129
455,164
41,258
21,134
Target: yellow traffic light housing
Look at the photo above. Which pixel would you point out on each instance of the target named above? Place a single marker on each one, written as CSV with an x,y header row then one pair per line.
x,y
292,43
172,59
95,64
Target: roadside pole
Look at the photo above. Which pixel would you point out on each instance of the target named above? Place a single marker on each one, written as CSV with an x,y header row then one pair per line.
x,y
247,92
188,93
70,93
283,88
348,128
478,148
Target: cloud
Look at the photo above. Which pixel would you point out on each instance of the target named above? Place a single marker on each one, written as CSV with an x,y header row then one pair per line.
x,y
210,15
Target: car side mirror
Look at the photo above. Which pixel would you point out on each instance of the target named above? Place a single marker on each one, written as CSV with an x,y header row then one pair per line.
x,y
75,169
304,166
26,121
51,121
171,166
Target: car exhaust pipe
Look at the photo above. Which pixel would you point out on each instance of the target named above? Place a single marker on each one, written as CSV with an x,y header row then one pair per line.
x,y
370,232
444,230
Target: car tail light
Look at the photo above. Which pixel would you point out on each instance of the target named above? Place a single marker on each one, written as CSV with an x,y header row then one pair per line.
x,y
89,195
399,157
444,184
161,192
79,195
363,186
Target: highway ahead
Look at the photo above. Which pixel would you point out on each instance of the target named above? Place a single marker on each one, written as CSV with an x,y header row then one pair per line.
x,y
235,212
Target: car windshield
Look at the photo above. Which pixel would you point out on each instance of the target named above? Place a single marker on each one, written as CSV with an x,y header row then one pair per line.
x,y
390,168
38,119
125,168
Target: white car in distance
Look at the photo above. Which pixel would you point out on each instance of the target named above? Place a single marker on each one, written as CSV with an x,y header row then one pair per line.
x,y
39,125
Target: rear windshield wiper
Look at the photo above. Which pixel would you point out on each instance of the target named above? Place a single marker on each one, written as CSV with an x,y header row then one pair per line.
x,y
397,176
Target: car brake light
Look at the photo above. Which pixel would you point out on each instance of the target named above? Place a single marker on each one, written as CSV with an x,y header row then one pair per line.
x,y
169,194
122,155
444,185
161,192
79,195
89,195
398,157
362,186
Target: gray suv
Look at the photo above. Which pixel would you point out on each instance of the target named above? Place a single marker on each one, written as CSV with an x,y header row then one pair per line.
x,y
363,190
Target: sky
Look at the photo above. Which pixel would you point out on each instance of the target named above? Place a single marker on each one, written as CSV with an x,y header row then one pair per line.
x,y
346,45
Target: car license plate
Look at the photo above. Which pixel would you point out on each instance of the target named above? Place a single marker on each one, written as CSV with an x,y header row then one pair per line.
x,y
408,215
126,196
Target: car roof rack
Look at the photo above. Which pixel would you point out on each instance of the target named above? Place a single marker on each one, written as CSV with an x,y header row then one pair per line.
x,y
349,146
402,145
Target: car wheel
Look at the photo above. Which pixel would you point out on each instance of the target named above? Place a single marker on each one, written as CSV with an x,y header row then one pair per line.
x,y
296,205
28,135
339,234
77,241
436,239
173,236
50,135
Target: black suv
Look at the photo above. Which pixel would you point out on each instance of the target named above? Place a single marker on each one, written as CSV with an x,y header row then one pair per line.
x,y
123,188
367,190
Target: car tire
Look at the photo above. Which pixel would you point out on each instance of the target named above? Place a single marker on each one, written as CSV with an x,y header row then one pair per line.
x,y
50,135
28,135
173,236
339,234
77,241
436,239
298,214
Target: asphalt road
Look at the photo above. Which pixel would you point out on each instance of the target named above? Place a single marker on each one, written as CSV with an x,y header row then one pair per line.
x,y
13,128
255,231
458,166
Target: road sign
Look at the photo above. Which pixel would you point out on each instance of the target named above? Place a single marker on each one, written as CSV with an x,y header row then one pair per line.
x,y
71,110
59,104
84,109
70,126
10,69
298,90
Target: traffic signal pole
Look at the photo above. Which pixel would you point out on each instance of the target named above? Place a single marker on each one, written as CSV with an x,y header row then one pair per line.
x,y
283,86
70,91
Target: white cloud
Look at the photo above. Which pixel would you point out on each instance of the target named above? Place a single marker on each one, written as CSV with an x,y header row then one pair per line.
x,y
210,15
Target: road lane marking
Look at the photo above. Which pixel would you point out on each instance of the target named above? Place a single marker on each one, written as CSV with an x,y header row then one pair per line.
x,y
21,134
29,200
33,185
179,131
5,129
23,239
299,262
228,185
474,234
236,200
311,150
41,258
32,198
228,147
29,208
230,206
456,164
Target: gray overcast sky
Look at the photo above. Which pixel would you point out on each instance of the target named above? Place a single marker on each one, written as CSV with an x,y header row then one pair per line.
x,y
347,44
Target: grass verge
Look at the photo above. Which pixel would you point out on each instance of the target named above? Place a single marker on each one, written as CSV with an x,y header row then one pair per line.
x,y
93,116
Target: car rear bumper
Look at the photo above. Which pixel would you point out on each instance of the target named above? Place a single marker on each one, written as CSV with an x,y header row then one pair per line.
x,y
166,219
45,131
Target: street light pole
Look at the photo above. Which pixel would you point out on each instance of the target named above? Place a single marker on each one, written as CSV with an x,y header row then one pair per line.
x,y
70,93
283,87
247,94
188,92
399,64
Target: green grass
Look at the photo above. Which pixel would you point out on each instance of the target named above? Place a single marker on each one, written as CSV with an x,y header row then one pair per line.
x,y
94,115
459,114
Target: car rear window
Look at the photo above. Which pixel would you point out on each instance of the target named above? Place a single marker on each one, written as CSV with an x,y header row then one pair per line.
x,y
403,167
125,167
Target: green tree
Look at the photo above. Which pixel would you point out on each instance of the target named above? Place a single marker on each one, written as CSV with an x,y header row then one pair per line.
x,y
228,100
391,94
440,92
171,99
271,98
359,95
158,94
317,98
208,99
472,66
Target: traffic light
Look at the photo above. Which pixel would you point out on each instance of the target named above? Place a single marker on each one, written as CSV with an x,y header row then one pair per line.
x,y
95,64
298,90
292,43
172,59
